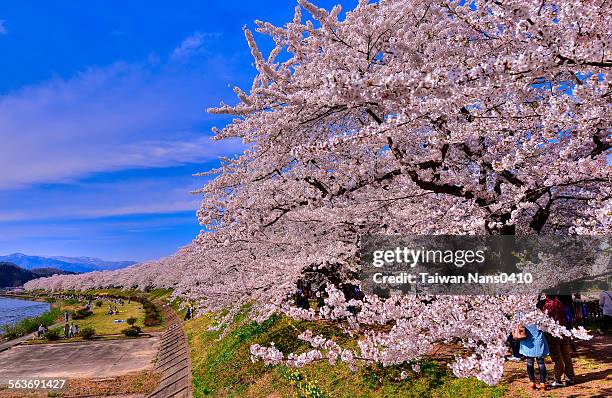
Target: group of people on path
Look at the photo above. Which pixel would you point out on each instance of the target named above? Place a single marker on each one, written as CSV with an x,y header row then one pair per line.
x,y
70,330
532,344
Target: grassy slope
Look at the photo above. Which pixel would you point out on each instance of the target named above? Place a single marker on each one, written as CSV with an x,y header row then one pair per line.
x,y
222,367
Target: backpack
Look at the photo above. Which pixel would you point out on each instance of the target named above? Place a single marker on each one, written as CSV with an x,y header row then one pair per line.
x,y
519,332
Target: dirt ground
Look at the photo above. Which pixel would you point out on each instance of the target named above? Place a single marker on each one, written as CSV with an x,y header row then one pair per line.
x,y
136,385
592,365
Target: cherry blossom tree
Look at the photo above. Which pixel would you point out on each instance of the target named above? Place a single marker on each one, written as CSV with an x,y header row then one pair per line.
x,y
399,117
410,117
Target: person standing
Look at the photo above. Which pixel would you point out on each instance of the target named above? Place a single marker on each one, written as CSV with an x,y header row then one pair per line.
x,y
559,346
534,348
515,345
605,302
76,330
66,316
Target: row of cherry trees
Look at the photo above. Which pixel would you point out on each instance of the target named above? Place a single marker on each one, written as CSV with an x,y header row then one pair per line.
x,y
401,117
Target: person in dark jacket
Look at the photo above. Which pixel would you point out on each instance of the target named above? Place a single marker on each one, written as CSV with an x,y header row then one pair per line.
x,y
560,347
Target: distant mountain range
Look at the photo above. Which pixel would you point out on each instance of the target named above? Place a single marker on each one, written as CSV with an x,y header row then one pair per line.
x,y
71,264
12,275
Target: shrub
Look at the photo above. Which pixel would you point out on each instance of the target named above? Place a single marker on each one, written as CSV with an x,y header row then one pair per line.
x,y
152,313
81,313
87,333
99,303
132,331
52,334
72,301
131,321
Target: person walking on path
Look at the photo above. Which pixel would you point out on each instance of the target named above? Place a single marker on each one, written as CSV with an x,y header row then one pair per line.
x,y
534,348
66,330
605,302
66,316
560,347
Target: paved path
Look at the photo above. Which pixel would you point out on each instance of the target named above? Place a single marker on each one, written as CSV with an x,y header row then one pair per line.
x,y
80,359
11,343
173,360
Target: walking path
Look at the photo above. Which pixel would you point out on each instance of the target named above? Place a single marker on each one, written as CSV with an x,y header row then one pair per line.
x,y
173,360
593,369
11,343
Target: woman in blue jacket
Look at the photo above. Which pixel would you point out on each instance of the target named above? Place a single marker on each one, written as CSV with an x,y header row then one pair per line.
x,y
534,347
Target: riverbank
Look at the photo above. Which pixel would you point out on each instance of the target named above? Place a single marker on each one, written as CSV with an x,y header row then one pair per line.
x,y
29,320
20,296
29,325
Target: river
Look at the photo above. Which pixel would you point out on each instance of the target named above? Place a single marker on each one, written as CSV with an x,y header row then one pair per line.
x,y
14,310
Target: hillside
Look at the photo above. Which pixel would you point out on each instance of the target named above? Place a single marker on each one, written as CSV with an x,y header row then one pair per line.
x,y
71,264
11,275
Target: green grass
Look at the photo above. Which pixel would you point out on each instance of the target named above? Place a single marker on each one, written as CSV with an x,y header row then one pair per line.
x,y
30,325
222,367
103,323
159,294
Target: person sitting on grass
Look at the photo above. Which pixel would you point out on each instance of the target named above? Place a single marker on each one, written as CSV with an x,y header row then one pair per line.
x,y
535,348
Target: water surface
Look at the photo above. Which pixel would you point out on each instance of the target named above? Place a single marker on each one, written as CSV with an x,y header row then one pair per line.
x,y
14,310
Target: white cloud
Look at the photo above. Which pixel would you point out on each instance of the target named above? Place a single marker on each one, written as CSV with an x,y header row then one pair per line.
x,y
193,44
3,30
189,45
106,119
91,200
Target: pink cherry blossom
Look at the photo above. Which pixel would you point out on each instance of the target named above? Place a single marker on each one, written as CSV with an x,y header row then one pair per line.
x,y
400,117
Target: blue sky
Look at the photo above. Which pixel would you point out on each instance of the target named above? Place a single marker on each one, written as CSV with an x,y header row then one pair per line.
x,y
103,122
